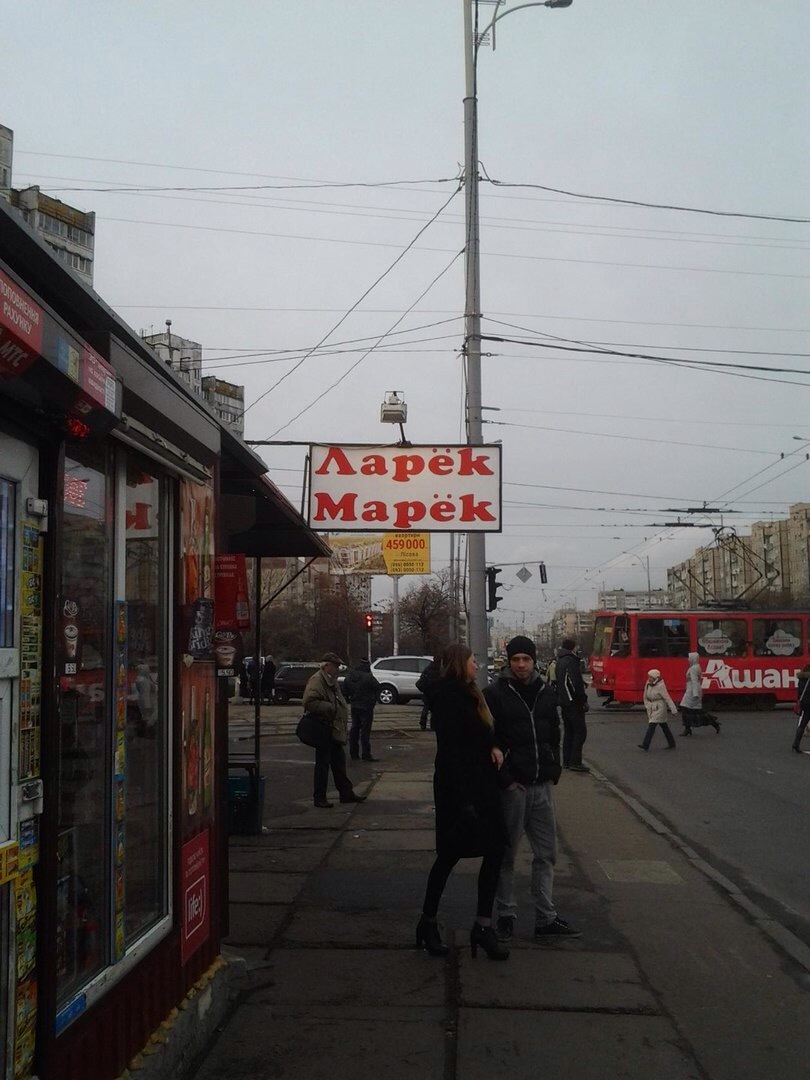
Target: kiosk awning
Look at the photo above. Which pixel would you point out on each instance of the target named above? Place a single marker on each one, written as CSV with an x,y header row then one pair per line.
x,y
258,521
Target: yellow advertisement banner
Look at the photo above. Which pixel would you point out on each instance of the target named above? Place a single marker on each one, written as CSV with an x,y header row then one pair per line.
x,y
406,553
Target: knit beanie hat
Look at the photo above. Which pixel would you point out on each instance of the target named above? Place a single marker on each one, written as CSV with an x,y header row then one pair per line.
x,y
521,644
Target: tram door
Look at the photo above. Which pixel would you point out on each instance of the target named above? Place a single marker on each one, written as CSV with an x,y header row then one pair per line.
x,y
20,649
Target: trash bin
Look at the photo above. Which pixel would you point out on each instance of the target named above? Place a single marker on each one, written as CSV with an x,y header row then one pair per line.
x,y
245,805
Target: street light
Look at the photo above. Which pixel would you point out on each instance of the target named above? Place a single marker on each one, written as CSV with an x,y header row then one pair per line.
x,y
476,546
646,563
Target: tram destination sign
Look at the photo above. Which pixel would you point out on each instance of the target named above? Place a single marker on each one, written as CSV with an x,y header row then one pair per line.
x,y
433,488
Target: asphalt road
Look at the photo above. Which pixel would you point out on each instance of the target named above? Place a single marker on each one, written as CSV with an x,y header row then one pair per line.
x,y
740,798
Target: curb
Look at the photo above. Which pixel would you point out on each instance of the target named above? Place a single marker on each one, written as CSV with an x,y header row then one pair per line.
x,y
778,934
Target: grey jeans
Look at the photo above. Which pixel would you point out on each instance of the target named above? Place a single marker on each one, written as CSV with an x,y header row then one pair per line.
x,y
530,810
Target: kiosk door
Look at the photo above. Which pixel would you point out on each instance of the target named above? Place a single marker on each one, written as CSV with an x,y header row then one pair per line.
x,y
20,645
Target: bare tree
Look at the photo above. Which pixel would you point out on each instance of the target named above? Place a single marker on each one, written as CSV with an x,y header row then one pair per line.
x,y
424,613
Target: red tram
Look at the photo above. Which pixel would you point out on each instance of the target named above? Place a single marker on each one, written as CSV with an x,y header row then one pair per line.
x,y
747,657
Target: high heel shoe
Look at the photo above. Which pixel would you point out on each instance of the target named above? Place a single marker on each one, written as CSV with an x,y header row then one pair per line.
x,y
429,938
485,937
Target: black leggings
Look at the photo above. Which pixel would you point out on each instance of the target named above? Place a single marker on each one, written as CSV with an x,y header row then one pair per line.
x,y
487,883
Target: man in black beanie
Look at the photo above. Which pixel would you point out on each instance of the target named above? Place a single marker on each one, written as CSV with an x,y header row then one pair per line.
x,y
527,729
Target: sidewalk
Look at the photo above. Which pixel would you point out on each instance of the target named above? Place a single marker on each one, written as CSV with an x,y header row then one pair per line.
x,y
671,978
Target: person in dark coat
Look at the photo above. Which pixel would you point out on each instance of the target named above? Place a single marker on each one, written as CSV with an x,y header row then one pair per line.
x,y
803,703
268,679
254,674
572,698
428,676
469,816
527,729
360,689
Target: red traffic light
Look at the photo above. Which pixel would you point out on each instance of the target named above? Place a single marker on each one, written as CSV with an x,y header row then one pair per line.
x,y
368,619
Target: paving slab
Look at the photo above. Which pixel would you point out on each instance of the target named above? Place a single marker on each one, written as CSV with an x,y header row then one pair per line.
x,y
389,817
373,929
382,840
265,888
284,860
277,837
570,1046
254,924
330,1043
542,978
359,858
360,976
386,790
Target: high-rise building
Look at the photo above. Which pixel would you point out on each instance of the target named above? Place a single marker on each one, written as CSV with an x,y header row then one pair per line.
x,y
70,233
6,154
227,400
181,354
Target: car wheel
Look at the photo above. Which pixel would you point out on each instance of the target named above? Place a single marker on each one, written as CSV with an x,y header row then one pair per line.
x,y
282,697
387,695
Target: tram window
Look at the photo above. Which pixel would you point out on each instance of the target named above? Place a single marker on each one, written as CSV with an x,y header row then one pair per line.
x,y
602,636
777,637
663,637
722,637
620,646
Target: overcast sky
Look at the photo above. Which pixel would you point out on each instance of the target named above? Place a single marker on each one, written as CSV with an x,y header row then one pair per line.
x,y
690,104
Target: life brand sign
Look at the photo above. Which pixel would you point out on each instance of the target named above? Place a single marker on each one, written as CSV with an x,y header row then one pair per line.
x,y
425,488
195,917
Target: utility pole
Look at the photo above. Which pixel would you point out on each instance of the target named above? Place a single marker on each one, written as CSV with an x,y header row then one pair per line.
x,y
476,547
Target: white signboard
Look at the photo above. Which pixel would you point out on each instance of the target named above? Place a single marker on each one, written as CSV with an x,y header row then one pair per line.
x,y
425,488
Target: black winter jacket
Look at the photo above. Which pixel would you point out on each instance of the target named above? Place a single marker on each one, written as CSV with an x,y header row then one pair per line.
x,y
360,688
570,685
469,815
529,737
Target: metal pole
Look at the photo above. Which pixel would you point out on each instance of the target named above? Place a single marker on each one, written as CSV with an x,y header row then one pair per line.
x,y
257,714
476,547
395,614
649,587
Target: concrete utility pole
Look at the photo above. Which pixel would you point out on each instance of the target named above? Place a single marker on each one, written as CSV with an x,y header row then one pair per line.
x,y
476,546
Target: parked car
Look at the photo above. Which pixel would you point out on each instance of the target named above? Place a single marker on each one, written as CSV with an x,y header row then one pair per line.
x,y
292,678
397,677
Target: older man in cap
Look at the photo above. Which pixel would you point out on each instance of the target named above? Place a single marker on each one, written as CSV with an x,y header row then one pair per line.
x,y
527,729
322,697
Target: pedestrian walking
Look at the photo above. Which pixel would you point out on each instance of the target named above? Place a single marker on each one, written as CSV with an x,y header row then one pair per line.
x,y
360,689
254,674
657,701
322,697
527,730
268,679
692,712
428,676
573,701
802,707
469,817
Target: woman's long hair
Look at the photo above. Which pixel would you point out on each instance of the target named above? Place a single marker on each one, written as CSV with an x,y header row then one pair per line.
x,y
454,666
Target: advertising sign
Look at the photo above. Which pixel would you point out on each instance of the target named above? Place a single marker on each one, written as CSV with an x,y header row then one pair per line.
x,y
381,553
20,328
429,488
195,919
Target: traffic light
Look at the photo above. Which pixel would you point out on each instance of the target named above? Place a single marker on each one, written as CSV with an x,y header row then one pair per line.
x,y
492,587
543,574
368,620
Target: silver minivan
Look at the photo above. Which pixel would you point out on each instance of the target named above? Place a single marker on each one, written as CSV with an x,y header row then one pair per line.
x,y
397,677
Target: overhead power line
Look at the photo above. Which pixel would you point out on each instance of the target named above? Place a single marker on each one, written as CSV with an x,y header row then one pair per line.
x,y
650,205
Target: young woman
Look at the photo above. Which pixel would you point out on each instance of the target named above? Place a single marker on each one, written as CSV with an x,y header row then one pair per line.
x,y
469,817
656,702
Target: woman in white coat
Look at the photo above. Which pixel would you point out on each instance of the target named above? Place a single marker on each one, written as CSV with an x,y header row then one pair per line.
x,y
657,701
692,712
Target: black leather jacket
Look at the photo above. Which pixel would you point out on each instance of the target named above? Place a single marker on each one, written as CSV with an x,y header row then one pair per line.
x,y
529,737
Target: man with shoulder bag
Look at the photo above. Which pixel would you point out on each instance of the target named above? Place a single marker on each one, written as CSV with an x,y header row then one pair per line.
x,y
323,699
527,730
